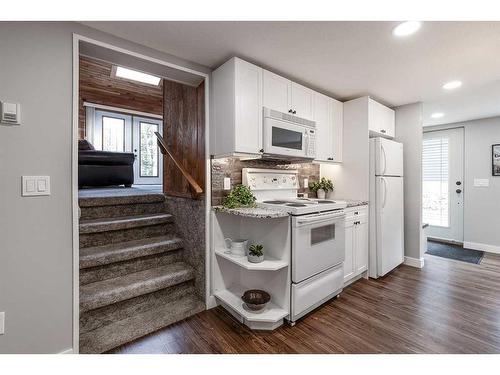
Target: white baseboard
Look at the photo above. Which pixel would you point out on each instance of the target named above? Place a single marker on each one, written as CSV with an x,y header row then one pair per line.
x,y
211,302
67,351
414,262
482,247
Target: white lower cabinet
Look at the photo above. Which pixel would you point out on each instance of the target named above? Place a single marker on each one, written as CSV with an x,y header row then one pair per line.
x,y
356,242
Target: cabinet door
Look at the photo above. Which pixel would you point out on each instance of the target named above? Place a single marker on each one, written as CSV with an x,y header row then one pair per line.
x,y
276,92
361,250
248,107
323,127
337,129
349,250
302,101
381,119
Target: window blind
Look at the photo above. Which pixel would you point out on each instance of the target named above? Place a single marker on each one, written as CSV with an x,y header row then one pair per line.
x,y
435,168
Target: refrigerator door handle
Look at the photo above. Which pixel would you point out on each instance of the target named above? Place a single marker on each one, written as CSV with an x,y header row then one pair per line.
x,y
385,191
385,159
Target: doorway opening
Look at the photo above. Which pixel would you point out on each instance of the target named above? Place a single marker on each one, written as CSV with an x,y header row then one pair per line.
x,y
442,195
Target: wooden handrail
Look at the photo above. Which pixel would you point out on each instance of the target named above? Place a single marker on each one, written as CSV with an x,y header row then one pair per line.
x,y
164,150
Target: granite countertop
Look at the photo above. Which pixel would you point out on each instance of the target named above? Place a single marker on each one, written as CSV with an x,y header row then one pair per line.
x,y
255,212
354,203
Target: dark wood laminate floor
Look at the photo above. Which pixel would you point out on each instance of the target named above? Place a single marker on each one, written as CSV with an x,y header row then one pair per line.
x,y
446,307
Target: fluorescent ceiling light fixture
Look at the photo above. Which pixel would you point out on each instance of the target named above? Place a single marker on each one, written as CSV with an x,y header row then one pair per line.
x,y
437,115
406,28
135,75
452,85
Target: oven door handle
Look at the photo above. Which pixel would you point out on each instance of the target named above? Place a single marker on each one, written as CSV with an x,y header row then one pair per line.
x,y
319,218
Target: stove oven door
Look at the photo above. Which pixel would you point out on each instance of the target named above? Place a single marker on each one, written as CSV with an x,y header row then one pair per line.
x,y
317,243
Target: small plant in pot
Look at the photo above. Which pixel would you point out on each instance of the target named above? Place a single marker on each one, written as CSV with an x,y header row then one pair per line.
x,y
256,253
322,187
239,196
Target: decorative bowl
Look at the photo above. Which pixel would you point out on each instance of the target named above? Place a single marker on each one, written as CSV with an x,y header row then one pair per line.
x,y
256,299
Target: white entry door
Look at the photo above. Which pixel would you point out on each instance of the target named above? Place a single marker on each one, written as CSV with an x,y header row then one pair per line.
x,y
148,165
442,185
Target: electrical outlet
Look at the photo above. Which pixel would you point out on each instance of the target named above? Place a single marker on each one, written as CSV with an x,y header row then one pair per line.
x,y
2,323
227,183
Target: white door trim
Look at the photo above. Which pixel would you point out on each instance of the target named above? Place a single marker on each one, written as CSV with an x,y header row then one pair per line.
x,y
77,38
121,110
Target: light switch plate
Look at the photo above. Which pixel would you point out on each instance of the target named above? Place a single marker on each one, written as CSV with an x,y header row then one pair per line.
x,y
481,182
227,183
2,323
35,185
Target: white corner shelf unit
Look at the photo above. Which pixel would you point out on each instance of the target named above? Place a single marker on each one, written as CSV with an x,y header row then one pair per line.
x,y
269,264
269,318
233,275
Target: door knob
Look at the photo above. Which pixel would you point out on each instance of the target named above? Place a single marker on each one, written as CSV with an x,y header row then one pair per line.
x,y
458,191
458,183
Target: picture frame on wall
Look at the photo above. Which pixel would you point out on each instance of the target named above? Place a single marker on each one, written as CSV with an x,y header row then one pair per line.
x,y
495,160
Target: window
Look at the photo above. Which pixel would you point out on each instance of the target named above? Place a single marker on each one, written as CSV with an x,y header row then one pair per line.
x,y
113,134
435,189
148,149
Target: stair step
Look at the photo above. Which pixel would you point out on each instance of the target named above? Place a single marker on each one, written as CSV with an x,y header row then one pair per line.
x,y
120,223
114,197
103,212
118,252
107,292
126,330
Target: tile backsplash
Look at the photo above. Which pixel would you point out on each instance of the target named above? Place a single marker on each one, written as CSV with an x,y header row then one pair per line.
x,y
231,167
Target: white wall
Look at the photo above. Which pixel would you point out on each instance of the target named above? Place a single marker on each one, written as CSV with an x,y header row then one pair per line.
x,y
481,204
35,232
409,132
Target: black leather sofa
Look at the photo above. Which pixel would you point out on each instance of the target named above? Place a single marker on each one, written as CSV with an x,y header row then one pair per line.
x,y
104,168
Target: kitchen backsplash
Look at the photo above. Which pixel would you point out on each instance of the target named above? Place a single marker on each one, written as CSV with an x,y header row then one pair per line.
x,y
231,167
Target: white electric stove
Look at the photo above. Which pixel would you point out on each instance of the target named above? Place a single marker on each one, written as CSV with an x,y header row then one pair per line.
x,y
318,237
277,189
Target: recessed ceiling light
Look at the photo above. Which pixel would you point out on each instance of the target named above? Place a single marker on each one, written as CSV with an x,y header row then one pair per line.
x,y
452,85
437,115
135,75
406,28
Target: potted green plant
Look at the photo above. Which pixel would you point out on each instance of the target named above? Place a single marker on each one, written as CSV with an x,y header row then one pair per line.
x,y
322,187
240,196
255,253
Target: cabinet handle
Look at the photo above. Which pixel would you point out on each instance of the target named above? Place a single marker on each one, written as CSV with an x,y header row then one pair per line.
x,y
261,150
383,131
294,112
329,159
356,212
290,111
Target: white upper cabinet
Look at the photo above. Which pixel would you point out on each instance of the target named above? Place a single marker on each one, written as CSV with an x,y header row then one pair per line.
x,y
328,115
323,127
237,108
277,92
302,101
381,120
286,96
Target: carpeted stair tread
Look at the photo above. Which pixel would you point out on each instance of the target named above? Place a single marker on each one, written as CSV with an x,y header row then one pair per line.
x,y
115,197
120,223
118,252
131,328
103,293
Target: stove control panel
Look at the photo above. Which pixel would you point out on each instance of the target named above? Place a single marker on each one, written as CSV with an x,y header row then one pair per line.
x,y
270,179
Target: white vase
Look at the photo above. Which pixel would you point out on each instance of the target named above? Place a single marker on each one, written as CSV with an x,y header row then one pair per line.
x,y
320,193
329,194
255,259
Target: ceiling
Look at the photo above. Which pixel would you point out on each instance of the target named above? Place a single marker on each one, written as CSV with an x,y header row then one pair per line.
x,y
349,59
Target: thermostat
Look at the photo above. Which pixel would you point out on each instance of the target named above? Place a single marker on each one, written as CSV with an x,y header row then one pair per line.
x,y
10,113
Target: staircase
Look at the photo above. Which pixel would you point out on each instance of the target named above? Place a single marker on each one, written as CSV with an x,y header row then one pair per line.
x,y
133,276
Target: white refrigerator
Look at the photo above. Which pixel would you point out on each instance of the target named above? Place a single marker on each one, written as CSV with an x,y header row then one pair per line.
x,y
386,206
